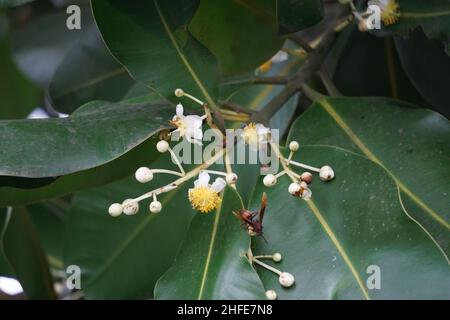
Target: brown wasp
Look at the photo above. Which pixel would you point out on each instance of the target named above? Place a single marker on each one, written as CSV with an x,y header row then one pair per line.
x,y
252,220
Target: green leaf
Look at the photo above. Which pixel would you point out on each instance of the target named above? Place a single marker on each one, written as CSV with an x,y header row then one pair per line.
x,y
96,134
13,3
353,222
411,144
429,76
21,249
376,57
40,45
119,168
431,15
151,40
50,219
123,257
18,97
241,34
101,77
212,264
295,15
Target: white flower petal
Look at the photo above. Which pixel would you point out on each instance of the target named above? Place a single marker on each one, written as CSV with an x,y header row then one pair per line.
x,y
193,121
179,110
196,133
261,129
203,179
218,185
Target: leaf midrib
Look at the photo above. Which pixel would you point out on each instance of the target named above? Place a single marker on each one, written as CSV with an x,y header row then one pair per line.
x,y
419,15
102,77
315,210
212,241
127,241
360,144
183,58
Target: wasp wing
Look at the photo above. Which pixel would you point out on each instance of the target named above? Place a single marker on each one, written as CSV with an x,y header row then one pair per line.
x,y
263,207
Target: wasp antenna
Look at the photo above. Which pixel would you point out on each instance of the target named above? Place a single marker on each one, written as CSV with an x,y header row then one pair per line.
x,y
265,240
239,216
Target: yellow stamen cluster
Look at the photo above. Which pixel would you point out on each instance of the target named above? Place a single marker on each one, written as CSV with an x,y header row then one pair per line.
x,y
179,124
249,134
204,199
390,12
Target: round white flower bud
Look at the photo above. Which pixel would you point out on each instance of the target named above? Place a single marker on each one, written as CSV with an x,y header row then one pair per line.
x,y
271,295
326,173
130,208
155,207
293,146
294,187
231,178
179,92
143,175
276,257
269,180
286,279
162,146
115,210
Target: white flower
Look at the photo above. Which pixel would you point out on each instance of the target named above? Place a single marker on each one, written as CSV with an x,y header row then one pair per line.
x,y
205,197
256,135
189,127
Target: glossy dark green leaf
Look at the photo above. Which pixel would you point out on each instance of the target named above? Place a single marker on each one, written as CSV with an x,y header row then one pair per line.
x,y
242,34
413,145
431,15
295,15
20,247
119,168
40,45
96,134
379,71
18,97
212,264
88,72
352,226
50,219
123,257
428,68
150,39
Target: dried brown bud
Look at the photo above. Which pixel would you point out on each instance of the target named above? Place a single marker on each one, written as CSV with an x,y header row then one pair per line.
x,y
306,177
